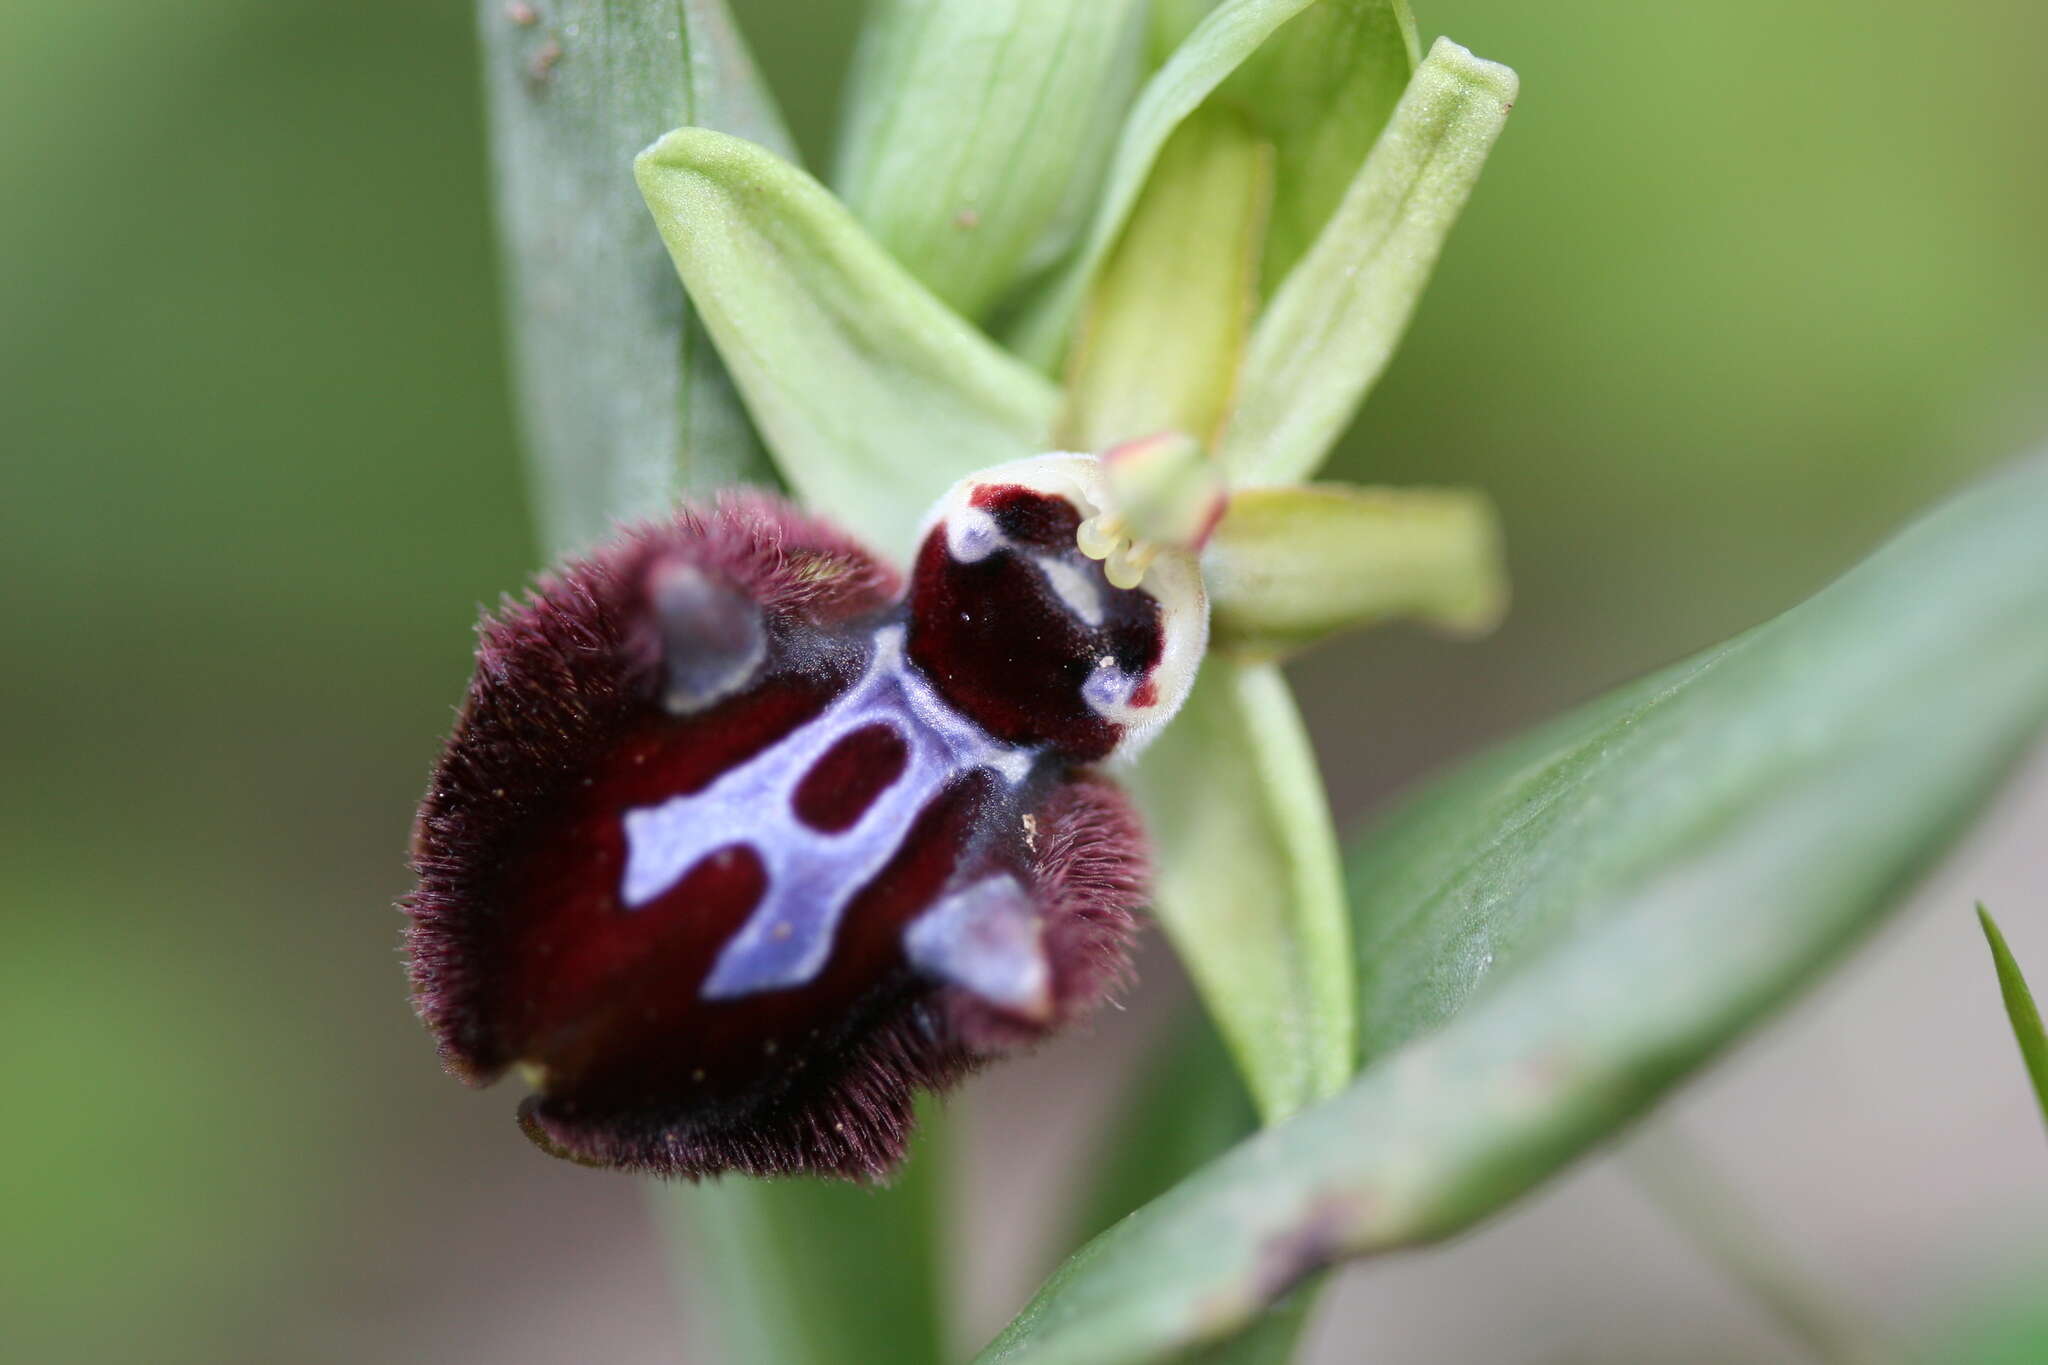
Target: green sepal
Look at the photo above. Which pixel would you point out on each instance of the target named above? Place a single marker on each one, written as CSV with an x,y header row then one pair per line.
x,y
1332,326
1290,566
872,395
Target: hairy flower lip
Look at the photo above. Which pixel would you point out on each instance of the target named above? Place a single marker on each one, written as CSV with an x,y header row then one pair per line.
x,y
719,648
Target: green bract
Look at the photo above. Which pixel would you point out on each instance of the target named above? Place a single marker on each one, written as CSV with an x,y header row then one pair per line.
x,y
975,134
1320,90
1161,341
1219,44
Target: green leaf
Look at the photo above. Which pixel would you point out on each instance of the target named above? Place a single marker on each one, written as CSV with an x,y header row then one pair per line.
x,y
872,394
1247,884
1320,91
622,401
1290,566
1166,324
1219,44
2020,1008
808,1272
974,128
1185,1108
1559,934
1333,324
1526,847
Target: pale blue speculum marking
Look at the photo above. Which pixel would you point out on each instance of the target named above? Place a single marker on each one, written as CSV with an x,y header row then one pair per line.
x,y
989,938
812,876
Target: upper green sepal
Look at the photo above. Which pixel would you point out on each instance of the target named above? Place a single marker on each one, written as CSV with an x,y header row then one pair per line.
x,y
1220,43
872,395
1329,331
1319,91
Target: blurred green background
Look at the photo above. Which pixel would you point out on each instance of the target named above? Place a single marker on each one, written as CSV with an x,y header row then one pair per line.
x,y
1744,284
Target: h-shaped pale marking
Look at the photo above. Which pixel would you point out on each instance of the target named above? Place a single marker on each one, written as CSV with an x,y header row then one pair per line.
x,y
812,876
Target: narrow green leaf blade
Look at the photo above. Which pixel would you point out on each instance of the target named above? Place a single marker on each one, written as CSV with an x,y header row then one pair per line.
x,y
872,394
2020,1008
622,401
1559,934
1219,45
974,126
1247,883
1332,326
1290,566
1873,671
1186,1108
1320,91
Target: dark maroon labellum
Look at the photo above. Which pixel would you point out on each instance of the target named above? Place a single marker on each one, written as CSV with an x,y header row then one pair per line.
x,y
736,846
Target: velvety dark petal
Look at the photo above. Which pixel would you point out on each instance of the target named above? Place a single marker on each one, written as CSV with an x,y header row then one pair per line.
x,y
846,1110
565,698
721,870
